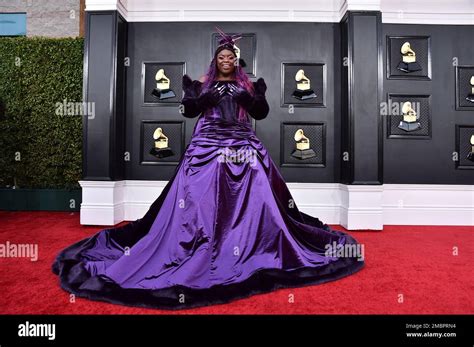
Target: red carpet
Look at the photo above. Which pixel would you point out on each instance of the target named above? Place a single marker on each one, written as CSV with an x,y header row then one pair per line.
x,y
414,261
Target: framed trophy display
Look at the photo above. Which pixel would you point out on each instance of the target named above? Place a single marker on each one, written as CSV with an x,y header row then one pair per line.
x,y
408,116
302,144
161,142
464,141
464,88
162,83
303,84
409,57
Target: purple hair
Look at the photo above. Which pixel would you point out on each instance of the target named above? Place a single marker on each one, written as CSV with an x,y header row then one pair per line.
x,y
239,74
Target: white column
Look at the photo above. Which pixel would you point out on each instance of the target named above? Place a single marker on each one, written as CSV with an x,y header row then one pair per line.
x,y
102,202
361,207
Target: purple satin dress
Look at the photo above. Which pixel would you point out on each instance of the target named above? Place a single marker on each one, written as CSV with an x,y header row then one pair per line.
x,y
224,227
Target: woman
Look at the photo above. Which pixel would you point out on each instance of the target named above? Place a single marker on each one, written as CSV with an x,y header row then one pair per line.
x,y
224,227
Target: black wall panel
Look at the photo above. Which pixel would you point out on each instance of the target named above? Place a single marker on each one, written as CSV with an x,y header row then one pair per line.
x,y
362,85
104,85
98,72
430,160
354,54
191,42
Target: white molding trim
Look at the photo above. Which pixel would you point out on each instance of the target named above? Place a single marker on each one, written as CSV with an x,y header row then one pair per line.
x,y
211,10
414,204
361,207
355,207
103,202
428,18
108,5
322,202
454,12
358,5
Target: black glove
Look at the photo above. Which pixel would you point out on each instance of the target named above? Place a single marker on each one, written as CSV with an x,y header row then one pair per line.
x,y
211,97
240,95
260,86
195,104
257,105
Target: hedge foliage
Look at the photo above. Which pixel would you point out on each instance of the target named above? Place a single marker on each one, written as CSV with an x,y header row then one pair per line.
x,y
40,148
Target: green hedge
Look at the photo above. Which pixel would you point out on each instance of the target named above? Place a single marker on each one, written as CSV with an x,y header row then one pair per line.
x,y
36,74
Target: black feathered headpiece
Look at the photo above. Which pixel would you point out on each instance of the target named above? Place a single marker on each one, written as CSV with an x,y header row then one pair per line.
x,y
226,41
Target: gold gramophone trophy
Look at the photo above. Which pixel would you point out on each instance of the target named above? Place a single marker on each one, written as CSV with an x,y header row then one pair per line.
x,y
408,63
303,89
162,90
409,122
470,155
239,60
303,150
161,149
470,96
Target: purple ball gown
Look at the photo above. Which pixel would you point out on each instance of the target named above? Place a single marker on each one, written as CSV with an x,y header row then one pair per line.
x,y
222,228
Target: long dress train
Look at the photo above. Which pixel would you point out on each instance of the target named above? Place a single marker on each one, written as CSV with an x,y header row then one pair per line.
x,y
221,229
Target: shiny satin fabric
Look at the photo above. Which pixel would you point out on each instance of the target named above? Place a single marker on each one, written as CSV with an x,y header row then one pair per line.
x,y
224,227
